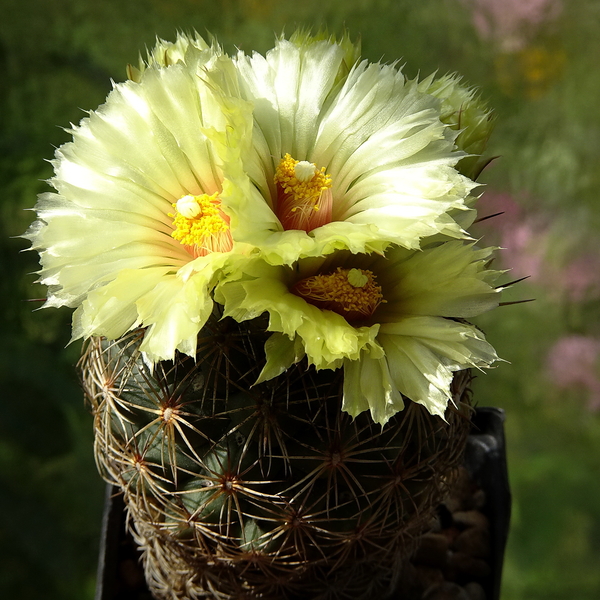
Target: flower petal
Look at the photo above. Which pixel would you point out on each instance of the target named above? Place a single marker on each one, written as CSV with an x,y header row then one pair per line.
x,y
174,312
281,352
368,385
424,352
448,280
110,310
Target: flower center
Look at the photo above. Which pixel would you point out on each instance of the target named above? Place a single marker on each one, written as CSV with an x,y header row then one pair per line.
x,y
352,293
304,197
200,225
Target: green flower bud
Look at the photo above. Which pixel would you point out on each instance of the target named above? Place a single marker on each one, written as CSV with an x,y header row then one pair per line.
x,y
463,110
167,53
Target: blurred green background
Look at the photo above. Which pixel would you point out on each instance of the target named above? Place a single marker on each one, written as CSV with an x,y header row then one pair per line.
x,y
536,61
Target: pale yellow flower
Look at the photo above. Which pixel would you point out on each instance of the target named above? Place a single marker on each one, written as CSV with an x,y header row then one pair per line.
x,y
134,234
344,155
396,323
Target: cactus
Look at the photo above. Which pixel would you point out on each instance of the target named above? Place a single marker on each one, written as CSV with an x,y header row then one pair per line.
x,y
268,490
269,265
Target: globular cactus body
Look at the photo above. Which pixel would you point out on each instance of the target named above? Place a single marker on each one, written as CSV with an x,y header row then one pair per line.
x,y
263,491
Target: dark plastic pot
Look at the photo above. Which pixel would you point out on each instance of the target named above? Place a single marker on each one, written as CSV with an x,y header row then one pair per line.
x,y
485,459
120,575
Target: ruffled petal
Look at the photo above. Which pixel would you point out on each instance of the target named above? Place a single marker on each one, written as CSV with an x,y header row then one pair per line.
x,y
424,352
177,308
368,385
289,87
110,310
326,336
174,312
448,280
417,374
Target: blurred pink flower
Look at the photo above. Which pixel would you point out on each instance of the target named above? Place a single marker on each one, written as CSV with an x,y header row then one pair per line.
x,y
522,238
523,251
511,23
573,361
529,250
579,279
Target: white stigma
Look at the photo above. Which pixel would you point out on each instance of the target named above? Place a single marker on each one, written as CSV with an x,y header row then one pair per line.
x,y
188,207
356,278
304,171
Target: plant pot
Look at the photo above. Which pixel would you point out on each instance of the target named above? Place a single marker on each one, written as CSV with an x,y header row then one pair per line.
x,y
485,491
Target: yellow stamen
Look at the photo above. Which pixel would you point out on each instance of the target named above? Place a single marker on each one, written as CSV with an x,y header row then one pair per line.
x,y
352,293
302,191
200,225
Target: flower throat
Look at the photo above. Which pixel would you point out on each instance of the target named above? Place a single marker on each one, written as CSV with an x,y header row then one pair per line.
x,y
200,225
352,293
304,198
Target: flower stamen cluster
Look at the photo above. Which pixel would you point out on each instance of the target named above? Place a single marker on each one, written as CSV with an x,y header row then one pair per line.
x,y
303,194
200,225
352,293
